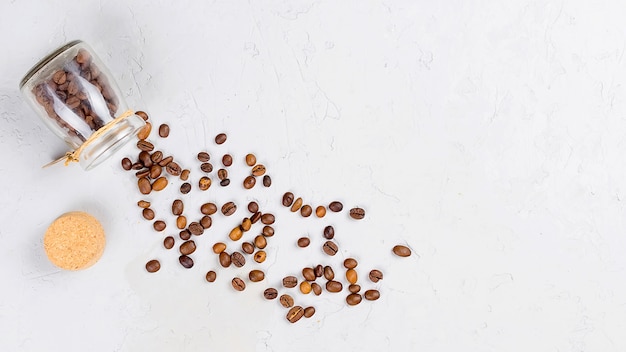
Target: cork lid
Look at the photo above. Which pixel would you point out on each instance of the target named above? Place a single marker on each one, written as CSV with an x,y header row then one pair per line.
x,y
74,241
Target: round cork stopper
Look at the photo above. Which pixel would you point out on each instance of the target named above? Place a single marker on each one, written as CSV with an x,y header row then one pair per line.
x,y
74,241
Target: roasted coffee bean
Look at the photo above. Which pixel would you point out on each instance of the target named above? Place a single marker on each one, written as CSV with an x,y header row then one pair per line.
x,y
141,114
296,205
184,235
250,159
211,276
329,274
168,242
334,286
184,175
177,207
288,199
187,247
224,259
268,219
126,164
143,204
153,266
225,182
227,160
258,170
208,208
222,174
295,313
306,211
206,222
143,173
156,157
144,132
350,263
319,270
206,167
270,293
238,284
260,242
308,274
376,275
247,247
267,231
59,77
173,169
204,183
164,131
145,159
290,281
401,251
267,181
220,138
305,287
354,288
320,211
253,207
204,157
260,256
145,145
236,233
372,295
165,161
219,247
237,259
357,213
353,299
249,182
159,184
351,276
185,261
256,275
137,166
246,224
309,312
330,248
185,188
144,185
329,232
148,214
229,208
335,206
155,171
286,301
195,228
303,242
159,225
256,217
316,288
181,222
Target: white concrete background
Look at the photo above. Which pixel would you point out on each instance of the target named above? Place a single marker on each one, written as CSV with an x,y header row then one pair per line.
x,y
486,135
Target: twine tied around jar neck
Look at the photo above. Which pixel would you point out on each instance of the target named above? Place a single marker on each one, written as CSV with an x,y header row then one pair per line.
x,y
74,156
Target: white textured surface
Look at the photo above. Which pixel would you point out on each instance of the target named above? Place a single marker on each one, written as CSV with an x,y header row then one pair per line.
x,y
487,135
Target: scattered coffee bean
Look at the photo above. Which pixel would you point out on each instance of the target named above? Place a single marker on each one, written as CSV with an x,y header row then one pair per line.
x,y
181,222
219,247
246,224
237,259
185,188
250,159
225,182
195,228
309,312
260,242
286,300
238,284
288,199
401,251
143,204
127,164
177,207
173,169
220,138
145,159
253,207
165,161
295,313
357,213
305,287
187,247
224,259
329,274
290,281
334,286
141,114
206,222
309,274
144,173
306,211
159,184
184,175
256,275
320,211
153,266
267,231
260,256
255,217
376,275
270,293
247,247
351,276
350,263
137,166
204,183
222,174
208,208
145,146
329,232
168,242
372,295
354,288
184,235
303,242
330,248
185,261
206,167
319,270
236,233
227,160
159,225
144,185
267,181
155,171
148,214
204,157
316,288
211,276
268,219
229,208
145,131
249,182
335,206
258,170
353,299
156,157
164,131
296,205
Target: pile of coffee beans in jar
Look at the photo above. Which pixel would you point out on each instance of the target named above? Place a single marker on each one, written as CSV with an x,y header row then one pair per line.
x,y
154,172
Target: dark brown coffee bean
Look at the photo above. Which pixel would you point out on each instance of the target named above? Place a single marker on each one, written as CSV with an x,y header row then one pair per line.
x,y
148,214
288,199
153,266
177,207
372,295
353,299
258,170
351,276
185,188
208,208
354,288
256,275
195,229
308,274
145,146
290,281
141,114
159,225
143,204
401,251
164,131
253,207
237,259
250,159
204,183
187,247
329,232
320,211
155,171
225,182
220,138
225,260
306,211
229,208
165,161
295,313
316,288
334,286
206,167
144,185
286,301
156,157
330,248
184,235
260,256
206,222
303,242
249,182
268,219
260,242
143,173
270,293
159,184
238,284
204,157
268,231
211,276
227,160
357,213
126,164
137,166
222,174
267,181
219,247
335,206
319,270
247,247
350,263
309,312
168,242
185,261
173,169
329,274
256,217
376,275
184,175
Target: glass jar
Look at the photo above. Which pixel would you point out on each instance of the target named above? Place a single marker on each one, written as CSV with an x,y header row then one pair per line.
x,y
77,98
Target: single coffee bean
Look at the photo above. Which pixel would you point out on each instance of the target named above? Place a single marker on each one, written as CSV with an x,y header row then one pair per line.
x,y
253,207
295,313
353,299
165,161
206,167
260,242
305,287
206,222
184,235
187,247
258,170
155,171
334,286
250,159
267,181
236,233
184,175
268,219
238,284
229,208
303,242
246,224
354,288
225,182
329,232
268,231
249,182
320,211
204,157
137,166
350,263
376,275
211,276
173,169
401,251
329,274
195,228
144,185
185,188
168,242
185,261
351,276
319,270
141,114
247,247
145,146
296,205
227,160
144,132
357,213
306,211
156,157
222,174
148,214
159,184
204,183
290,281
309,274
177,207
208,208
237,259
256,275
316,288
372,295
224,259
260,256
143,173
288,199
159,225
153,266
330,248
219,247
256,217
143,204
220,138
164,131
335,206
286,300
309,312
270,293
126,164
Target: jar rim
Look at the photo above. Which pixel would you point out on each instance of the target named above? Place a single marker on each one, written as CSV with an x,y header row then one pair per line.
x,y
43,62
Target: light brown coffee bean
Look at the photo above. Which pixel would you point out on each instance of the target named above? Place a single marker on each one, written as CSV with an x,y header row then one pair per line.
x,y
309,312
246,224
290,281
222,174
256,275
206,222
159,225
141,114
206,167
236,233
295,313
143,204
258,170
375,275
267,231
185,261
164,131
145,145
303,242
148,214
229,208
309,274
334,286
267,181
329,274
249,182
305,287
238,284
270,293
211,276
372,295
204,183
401,251
144,185
354,288
184,175
185,188
204,157
168,242
184,235
296,205
330,248
247,247
357,213
260,256
320,211
268,219
220,138
237,259
255,217
306,211
126,164
219,247
316,288
329,232
350,263
227,160
353,299
260,242
208,208
224,259
286,300
177,207
195,228
351,276
250,159
187,247
144,132
159,184
287,199
181,222
155,171
153,266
